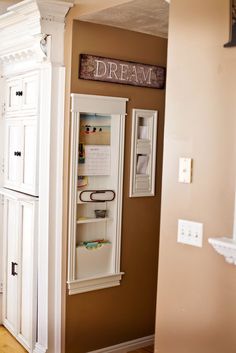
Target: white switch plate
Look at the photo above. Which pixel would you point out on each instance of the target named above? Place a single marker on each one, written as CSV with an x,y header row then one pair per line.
x,y
190,233
185,170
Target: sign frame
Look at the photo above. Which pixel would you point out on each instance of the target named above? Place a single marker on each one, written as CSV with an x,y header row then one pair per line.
x,y
103,69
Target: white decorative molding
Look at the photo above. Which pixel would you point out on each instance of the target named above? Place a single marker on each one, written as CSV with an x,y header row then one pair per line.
x,y
128,346
25,25
225,247
90,284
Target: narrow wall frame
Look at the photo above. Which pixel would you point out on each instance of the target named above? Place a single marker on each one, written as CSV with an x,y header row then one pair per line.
x,y
143,153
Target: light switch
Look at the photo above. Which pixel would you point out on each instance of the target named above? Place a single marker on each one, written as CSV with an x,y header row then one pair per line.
x,y
190,233
185,170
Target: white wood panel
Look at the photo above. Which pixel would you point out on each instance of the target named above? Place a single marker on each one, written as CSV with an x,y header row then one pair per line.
x,y
13,102
22,95
30,90
20,289
2,138
11,235
29,181
21,155
13,160
28,275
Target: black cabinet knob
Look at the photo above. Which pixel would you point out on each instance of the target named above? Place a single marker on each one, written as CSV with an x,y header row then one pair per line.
x,y
19,93
17,153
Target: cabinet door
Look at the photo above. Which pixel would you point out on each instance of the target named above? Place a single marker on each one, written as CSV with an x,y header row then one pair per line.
x,y
21,156
20,273
30,85
28,275
13,154
30,162
14,95
12,265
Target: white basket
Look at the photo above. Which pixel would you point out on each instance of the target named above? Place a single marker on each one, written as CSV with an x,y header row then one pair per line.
x,y
92,262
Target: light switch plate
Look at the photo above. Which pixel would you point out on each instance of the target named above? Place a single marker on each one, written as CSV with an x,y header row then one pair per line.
x,y
185,170
190,233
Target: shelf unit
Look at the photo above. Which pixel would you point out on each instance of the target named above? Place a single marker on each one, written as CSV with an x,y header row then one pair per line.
x,y
96,170
93,220
143,153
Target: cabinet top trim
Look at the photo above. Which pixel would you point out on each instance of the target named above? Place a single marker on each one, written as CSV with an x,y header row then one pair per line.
x,y
91,96
26,9
98,104
25,25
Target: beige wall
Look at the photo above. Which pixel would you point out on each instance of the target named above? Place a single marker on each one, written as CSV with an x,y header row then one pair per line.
x,y
106,317
196,308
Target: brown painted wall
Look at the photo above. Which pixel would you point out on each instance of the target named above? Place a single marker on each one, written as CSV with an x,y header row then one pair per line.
x,y
196,307
107,317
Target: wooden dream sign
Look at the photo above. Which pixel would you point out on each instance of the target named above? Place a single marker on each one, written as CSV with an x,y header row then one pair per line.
x,y
97,68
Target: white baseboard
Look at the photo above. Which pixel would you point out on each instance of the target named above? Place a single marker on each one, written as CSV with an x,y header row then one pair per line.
x,y
128,346
39,349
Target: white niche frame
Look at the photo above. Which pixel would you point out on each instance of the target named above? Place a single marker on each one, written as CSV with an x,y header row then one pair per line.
x,y
114,106
144,140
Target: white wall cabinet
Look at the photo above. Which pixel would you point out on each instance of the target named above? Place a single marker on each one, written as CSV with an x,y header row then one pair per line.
x,y
32,85
23,94
21,133
20,270
21,155
96,187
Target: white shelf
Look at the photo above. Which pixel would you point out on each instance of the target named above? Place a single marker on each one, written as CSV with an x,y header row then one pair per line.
x,y
141,141
93,220
94,283
225,247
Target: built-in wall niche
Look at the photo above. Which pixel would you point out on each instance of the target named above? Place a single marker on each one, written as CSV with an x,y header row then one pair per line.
x,y
96,183
143,153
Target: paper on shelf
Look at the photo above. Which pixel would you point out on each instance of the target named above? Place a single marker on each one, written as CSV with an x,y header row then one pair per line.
x,y
142,164
143,132
97,160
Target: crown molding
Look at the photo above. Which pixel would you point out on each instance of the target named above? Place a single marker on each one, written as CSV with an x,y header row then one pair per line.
x,y
26,24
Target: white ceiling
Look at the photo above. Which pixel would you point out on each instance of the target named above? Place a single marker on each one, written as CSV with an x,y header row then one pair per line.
x,y
146,16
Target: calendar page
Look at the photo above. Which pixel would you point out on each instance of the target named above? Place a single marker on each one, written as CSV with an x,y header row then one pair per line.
x,y
97,160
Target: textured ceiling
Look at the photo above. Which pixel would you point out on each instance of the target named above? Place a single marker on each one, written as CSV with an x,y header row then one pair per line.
x,y
146,16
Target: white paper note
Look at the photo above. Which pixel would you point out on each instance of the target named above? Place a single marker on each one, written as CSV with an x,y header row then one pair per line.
x,y
142,164
97,160
143,132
